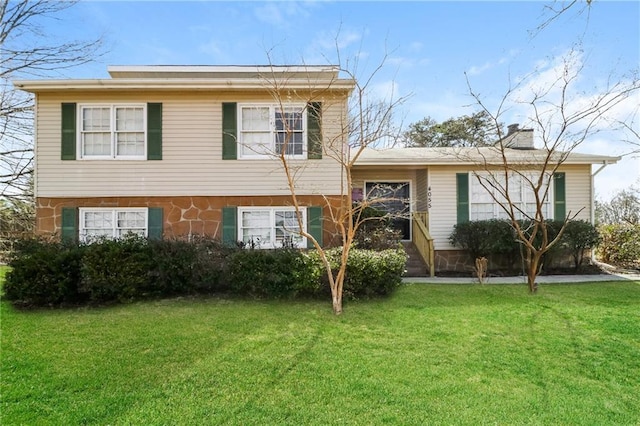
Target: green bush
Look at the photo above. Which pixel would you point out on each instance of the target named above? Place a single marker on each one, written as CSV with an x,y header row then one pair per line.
x,y
369,273
272,273
44,273
486,238
374,232
118,270
620,245
578,236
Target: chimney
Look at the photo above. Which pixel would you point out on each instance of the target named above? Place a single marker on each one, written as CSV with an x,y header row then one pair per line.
x,y
518,138
512,128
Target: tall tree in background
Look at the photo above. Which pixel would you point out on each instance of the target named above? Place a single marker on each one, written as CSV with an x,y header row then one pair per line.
x,y
477,129
28,51
624,208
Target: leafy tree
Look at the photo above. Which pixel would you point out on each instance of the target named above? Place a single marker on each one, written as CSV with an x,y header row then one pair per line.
x,y
477,129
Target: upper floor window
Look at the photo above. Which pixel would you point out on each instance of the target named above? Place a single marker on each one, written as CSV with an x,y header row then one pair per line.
x,y
112,132
266,130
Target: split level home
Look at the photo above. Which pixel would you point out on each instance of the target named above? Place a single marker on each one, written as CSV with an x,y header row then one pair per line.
x,y
177,151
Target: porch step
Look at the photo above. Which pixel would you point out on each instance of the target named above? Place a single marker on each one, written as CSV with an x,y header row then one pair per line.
x,y
416,267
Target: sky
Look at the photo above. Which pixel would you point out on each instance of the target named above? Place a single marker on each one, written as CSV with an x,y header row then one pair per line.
x,y
433,52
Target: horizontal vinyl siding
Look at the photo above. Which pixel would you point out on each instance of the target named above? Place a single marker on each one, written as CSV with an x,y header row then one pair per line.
x,y
192,154
442,215
578,190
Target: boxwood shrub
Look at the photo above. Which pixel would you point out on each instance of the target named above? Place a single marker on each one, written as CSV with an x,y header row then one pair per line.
x,y
50,273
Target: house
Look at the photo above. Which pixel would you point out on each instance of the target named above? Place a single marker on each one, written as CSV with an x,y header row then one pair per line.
x,y
176,151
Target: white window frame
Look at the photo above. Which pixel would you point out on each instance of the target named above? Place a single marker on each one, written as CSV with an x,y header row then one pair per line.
x,y
272,243
525,195
114,220
271,148
112,130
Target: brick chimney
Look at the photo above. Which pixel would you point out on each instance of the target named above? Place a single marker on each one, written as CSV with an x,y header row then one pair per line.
x,y
518,138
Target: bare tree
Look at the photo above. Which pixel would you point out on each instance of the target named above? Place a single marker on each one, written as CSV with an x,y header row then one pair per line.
x,y
562,119
28,51
367,123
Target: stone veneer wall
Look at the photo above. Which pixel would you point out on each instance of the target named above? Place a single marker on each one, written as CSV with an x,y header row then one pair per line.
x,y
460,261
182,216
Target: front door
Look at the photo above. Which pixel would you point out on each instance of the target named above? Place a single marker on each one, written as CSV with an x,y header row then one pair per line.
x,y
395,200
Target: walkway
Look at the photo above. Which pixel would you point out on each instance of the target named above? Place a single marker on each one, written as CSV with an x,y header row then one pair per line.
x,y
542,279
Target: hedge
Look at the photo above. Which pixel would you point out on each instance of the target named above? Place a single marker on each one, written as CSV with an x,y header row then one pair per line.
x,y
50,273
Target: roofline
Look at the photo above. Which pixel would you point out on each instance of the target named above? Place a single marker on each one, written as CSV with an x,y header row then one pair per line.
x,y
161,84
223,68
422,162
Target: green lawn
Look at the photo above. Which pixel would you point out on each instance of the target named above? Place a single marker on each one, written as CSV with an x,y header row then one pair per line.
x,y
431,354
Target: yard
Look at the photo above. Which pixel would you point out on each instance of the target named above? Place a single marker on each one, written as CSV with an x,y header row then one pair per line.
x,y
431,354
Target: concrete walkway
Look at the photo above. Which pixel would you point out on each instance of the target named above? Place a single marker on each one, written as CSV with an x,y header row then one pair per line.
x,y
542,279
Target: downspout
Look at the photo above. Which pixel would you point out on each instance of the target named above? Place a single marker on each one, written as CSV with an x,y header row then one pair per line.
x,y
593,191
593,202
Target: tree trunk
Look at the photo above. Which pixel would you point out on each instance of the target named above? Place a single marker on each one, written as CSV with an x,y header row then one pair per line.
x,y
337,303
532,272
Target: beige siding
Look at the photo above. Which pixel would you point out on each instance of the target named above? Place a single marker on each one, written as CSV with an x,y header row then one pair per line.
x,y
192,153
443,214
578,190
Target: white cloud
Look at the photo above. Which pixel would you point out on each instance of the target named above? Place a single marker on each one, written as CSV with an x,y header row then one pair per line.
x,y
282,13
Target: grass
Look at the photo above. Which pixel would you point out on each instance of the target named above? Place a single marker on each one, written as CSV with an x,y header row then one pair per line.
x,y
431,354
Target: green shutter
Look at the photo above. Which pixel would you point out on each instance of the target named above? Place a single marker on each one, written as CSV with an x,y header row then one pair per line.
x,y
154,131
155,222
68,137
314,224
314,130
229,225
462,191
559,196
229,131
69,224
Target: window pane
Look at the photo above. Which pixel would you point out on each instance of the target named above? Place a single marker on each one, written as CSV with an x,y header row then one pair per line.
x,y
130,144
287,229
96,119
290,120
292,141
255,143
131,220
101,220
129,119
256,227
96,143
255,118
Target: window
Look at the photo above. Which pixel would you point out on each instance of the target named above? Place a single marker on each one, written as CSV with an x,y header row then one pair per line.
x,y
112,132
270,227
271,129
482,205
112,223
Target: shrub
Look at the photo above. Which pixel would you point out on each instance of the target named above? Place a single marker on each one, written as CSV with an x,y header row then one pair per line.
x,y
578,236
172,271
210,265
117,270
374,232
272,273
44,273
620,245
369,273
486,238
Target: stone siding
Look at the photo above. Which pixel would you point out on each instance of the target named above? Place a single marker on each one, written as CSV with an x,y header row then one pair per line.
x,y
183,216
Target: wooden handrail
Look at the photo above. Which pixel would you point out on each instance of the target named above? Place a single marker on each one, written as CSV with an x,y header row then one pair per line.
x,y
423,239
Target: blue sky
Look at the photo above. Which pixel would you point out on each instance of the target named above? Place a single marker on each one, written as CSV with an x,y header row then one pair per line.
x,y
430,46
